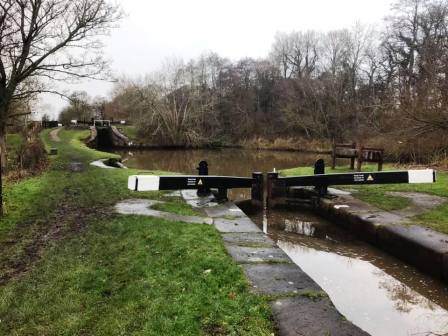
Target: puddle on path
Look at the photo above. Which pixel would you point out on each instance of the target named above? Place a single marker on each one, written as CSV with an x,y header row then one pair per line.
x,y
375,291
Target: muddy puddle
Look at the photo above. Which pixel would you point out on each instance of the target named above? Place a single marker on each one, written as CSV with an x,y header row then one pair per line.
x,y
375,291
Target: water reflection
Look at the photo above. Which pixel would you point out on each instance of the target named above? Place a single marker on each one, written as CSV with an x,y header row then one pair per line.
x,y
300,227
227,161
368,296
375,291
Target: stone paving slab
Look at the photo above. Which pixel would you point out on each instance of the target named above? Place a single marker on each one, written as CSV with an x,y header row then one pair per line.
x,y
254,239
175,193
306,317
243,224
191,197
190,194
227,209
279,279
201,203
243,255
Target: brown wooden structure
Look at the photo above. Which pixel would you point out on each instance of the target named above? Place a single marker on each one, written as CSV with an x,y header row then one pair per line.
x,y
359,153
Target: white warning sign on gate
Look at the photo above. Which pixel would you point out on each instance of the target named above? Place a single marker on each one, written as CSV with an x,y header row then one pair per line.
x,y
191,181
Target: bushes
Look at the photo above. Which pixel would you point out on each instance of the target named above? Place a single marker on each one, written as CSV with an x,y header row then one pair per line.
x,y
405,146
293,144
26,158
32,155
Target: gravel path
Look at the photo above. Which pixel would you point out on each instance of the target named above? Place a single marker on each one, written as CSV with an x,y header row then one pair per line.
x,y
54,135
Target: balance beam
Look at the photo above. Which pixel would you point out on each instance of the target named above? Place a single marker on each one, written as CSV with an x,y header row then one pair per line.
x,y
387,177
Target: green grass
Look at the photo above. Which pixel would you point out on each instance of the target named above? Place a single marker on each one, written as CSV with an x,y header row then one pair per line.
x,y
135,276
436,219
70,266
129,131
382,201
13,143
36,197
177,206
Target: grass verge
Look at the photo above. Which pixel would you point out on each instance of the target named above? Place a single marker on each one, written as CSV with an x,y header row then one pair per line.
x,y
70,266
129,131
176,205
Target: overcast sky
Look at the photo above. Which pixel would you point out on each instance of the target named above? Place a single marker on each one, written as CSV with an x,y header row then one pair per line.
x,y
154,30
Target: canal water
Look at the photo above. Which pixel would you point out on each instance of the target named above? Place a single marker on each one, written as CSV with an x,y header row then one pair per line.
x,y
375,291
227,161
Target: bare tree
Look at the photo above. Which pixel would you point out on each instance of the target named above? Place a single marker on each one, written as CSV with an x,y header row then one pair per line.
x,y
42,40
80,108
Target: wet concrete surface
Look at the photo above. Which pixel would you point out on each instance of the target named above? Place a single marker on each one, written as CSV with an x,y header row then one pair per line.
x,y
244,254
242,224
143,207
302,316
248,239
375,291
225,210
420,203
285,278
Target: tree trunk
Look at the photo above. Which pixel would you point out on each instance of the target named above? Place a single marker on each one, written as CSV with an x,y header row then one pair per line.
x,y
3,139
4,109
2,160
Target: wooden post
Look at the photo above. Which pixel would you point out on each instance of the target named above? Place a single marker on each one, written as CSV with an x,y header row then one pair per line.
x,y
271,189
380,161
352,160
319,168
257,190
359,158
333,156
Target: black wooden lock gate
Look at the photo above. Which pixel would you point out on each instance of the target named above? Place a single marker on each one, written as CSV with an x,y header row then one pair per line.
x,y
278,188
